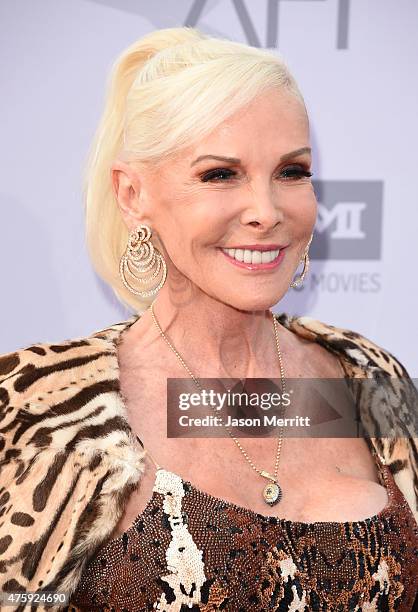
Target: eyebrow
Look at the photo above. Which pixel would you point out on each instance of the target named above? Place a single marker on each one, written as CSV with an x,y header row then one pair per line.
x,y
235,160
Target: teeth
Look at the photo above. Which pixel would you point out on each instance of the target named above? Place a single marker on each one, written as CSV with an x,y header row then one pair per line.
x,y
252,257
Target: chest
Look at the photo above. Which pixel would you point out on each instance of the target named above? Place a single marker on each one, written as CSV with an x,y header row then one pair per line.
x,y
322,479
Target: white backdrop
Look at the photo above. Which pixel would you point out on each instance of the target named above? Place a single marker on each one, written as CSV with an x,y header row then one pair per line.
x,y
356,64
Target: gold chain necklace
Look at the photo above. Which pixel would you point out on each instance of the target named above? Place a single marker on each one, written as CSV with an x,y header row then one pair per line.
x,y
272,492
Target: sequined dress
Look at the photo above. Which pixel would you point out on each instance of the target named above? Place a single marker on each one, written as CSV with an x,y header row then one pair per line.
x,y
189,550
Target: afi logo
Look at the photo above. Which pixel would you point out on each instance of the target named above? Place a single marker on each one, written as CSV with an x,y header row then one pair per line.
x,y
273,17
349,221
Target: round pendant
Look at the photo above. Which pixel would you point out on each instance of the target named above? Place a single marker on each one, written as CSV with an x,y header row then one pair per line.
x,y
272,493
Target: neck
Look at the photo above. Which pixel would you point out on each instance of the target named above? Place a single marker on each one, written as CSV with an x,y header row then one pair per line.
x,y
216,339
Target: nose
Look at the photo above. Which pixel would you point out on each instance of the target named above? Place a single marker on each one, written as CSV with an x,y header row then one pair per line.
x,y
263,211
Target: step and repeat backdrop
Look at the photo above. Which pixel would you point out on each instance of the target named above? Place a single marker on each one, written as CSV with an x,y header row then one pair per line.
x,y
356,65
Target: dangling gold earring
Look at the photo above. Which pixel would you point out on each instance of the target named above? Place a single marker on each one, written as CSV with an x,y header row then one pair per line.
x,y
298,281
141,256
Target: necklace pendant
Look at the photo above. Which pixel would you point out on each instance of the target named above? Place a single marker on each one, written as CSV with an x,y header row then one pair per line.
x,y
272,493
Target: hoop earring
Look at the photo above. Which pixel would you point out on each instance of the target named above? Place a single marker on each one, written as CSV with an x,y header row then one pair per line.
x,y
141,256
298,281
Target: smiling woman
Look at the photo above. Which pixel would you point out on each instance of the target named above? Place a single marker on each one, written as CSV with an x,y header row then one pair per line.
x,y
256,212
199,210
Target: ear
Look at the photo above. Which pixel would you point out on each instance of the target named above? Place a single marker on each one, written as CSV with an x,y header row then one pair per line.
x,y
126,186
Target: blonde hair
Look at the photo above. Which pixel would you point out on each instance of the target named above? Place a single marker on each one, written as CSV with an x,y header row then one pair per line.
x,y
166,91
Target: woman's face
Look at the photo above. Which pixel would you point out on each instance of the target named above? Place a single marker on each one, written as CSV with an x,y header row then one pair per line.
x,y
258,198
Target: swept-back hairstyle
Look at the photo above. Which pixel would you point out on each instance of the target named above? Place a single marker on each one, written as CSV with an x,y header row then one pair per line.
x,y
166,91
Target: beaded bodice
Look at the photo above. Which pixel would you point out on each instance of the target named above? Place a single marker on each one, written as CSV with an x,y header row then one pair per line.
x,y
189,550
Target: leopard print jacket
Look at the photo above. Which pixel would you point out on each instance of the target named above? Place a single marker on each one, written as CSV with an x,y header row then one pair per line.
x,y
69,459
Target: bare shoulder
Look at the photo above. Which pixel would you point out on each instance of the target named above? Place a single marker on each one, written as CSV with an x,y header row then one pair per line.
x,y
309,358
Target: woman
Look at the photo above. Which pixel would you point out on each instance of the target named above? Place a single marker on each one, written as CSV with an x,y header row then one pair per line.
x,y
199,209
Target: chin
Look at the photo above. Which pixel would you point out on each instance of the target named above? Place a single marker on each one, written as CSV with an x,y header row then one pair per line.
x,y
251,303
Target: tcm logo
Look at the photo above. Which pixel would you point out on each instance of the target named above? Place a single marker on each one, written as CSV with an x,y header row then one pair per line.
x,y
349,221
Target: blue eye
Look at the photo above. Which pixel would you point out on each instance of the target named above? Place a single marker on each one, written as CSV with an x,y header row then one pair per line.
x,y
296,172
217,173
290,173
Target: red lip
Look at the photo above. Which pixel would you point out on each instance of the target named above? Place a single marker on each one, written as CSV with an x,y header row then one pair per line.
x,y
258,247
